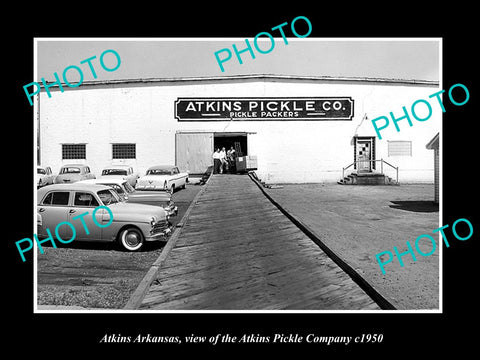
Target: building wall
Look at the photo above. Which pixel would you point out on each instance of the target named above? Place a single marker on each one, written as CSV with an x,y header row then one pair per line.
x,y
436,157
287,151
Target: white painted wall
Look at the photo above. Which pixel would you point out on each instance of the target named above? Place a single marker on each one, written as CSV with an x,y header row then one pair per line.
x,y
288,151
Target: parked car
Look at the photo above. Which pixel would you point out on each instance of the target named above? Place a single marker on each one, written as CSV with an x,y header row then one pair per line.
x,y
125,172
132,224
72,173
129,194
44,176
162,177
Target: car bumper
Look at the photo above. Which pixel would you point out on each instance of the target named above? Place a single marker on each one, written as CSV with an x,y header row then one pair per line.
x,y
171,211
159,234
149,187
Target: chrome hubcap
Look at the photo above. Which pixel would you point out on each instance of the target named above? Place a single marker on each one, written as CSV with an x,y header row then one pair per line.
x,y
132,239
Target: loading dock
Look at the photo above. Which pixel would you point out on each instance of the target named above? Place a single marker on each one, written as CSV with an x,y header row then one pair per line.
x,y
237,140
193,150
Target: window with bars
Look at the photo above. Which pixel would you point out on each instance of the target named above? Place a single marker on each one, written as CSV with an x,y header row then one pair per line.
x,y
74,151
399,148
124,151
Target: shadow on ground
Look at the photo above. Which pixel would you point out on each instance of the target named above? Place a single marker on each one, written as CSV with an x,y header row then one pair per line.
x,y
415,206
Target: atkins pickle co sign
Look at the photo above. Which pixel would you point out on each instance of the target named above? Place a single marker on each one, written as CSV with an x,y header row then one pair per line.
x,y
302,108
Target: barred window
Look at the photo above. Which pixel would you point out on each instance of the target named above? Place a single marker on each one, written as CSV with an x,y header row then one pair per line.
x,y
74,151
124,151
400,148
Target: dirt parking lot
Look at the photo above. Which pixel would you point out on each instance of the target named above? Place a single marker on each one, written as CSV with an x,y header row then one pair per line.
x,y
98,275
357,222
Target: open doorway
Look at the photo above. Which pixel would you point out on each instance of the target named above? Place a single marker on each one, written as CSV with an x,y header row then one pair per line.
x,y
235,162
226,140
194,150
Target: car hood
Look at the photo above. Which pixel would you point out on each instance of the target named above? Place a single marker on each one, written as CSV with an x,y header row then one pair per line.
x,y
124,211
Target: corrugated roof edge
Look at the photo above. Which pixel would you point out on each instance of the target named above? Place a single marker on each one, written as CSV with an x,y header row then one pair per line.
x,y
434,143
261,76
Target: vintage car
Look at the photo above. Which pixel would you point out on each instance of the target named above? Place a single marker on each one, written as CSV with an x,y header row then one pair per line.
x,y
44,176
125,172
162,177
129,194
72,173
132,224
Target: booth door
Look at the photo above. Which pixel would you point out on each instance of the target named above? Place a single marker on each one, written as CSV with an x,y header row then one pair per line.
x,y
193,152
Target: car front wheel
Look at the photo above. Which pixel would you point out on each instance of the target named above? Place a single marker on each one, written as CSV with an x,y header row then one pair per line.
x,y
131,239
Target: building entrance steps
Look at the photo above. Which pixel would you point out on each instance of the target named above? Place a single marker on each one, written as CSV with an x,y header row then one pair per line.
x,y
237,251
367,178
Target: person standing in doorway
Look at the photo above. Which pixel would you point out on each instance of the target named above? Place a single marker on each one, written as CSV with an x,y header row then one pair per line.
x,y
231,159
216,161
223,160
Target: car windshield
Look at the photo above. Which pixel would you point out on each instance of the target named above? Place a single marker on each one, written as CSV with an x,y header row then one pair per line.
x,y
108,197
70,170
158,172
114,172
41,171
115,187
129,188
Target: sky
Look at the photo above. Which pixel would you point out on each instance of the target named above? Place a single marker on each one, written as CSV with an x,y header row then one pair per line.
x,y
409,58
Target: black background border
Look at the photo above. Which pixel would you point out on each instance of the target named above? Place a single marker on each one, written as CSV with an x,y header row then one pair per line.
x,y
79,334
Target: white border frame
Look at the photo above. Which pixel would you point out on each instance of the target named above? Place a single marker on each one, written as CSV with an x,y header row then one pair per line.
x,y
36,109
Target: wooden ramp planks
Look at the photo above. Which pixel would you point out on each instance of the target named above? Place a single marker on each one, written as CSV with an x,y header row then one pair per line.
x,y
237,251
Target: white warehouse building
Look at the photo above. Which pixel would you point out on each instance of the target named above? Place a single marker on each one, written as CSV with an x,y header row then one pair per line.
x,y
300,129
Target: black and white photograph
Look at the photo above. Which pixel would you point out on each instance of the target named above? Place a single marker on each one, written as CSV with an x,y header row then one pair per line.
x,y
262,182
251,189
